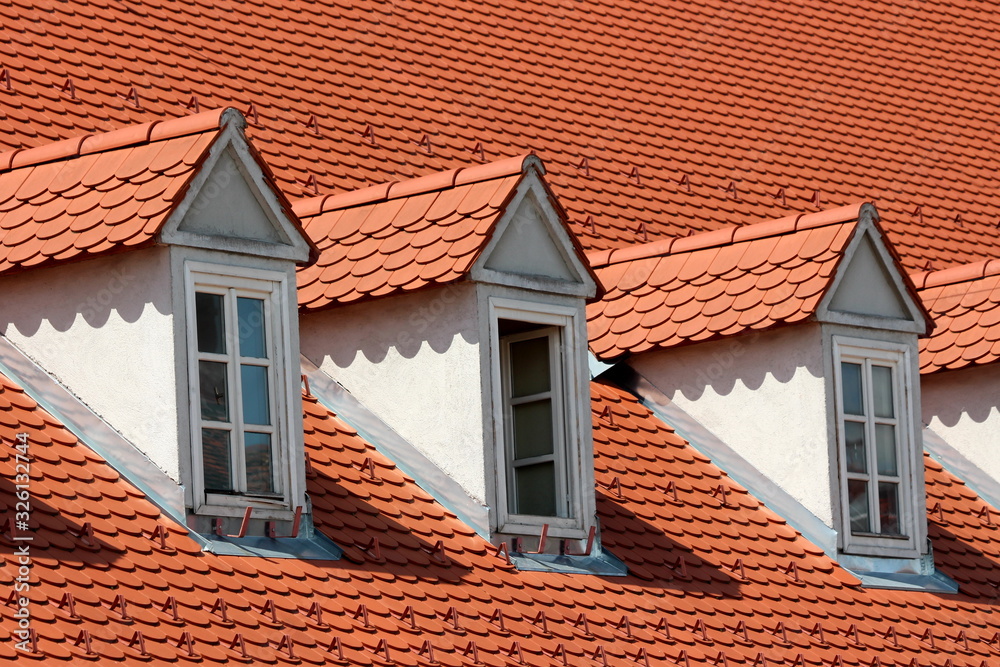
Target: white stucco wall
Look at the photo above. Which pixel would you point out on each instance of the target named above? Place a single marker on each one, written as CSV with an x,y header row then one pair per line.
x,y
414,361
104,329
765,396
963,407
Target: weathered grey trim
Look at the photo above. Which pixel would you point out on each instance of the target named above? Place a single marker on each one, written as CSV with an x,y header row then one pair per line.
x,y
722,455
389,443
93,431
982,484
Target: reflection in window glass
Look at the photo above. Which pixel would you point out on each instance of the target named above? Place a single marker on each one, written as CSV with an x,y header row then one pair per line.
x,y
857,454
530,361
882,391
533,429
885,444
214,394
850,374
888,507
255,395
857,498
216,460
258,461
251,327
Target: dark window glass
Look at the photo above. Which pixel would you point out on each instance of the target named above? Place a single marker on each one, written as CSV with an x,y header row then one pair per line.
x,y
214,391
854,440
850,374
210,313
536,489
529,367
216,460
888,507
260,477
885,449
533,429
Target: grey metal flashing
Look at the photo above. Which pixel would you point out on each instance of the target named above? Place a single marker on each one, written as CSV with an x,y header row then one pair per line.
x,y
916,574
722,455
596,365
952,460
315,547
389,443
90,429
602,563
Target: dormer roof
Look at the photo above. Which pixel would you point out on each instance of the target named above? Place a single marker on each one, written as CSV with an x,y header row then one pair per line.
x,y
403,236
965,304
727,282
99,194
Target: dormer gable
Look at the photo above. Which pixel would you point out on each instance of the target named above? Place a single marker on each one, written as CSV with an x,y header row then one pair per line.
x,y
869,288
757,336
467,283
157,212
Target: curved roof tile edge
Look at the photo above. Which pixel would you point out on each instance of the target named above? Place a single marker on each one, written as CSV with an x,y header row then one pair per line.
x,y
956,274
440,180
727,236
130,135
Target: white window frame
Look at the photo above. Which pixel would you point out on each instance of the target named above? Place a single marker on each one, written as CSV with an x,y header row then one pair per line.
x,y
270,286
898,357
566,379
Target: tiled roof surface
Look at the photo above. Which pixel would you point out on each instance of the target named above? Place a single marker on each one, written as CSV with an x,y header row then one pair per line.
x,y
403,236
654,117
714,577
99,193
965,304
721,283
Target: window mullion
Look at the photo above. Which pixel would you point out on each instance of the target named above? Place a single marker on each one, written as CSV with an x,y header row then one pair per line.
x,y
867,388
236,409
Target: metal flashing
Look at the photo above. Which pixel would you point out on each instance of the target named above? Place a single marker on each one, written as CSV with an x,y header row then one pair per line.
x,y
93,431
952,460
602,563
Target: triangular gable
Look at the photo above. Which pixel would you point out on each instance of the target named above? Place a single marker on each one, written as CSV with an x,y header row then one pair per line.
x,y
231,205
870,288
531,247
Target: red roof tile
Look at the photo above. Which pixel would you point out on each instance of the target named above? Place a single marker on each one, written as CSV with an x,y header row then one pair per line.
x,y
97,194
404,236
654,117
721,283
965,304
714,576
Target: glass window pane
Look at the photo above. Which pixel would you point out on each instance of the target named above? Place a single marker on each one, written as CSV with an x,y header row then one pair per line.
x,y
251,327
260,478
255,403
216,461
214,391
850,375
854,440
529,367
857,500
885,447
888,507
210,314
882,391
536,490
533,429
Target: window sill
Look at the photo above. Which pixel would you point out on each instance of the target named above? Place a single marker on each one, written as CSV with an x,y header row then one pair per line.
x,y
262,509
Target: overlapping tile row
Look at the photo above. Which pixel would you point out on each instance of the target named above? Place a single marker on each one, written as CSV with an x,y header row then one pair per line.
x,y
715,578
99,193
721,283
655,118
403,236
965,304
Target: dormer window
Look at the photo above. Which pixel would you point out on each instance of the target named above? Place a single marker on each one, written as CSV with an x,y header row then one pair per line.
x,y
237,350
538,456
875,443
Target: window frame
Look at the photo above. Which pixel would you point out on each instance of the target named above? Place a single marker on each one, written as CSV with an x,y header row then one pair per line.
x,y
898,358
270,287
567,447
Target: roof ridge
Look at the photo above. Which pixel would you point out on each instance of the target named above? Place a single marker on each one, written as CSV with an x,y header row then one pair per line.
x,y
439,180
956,274
130,135
726,236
